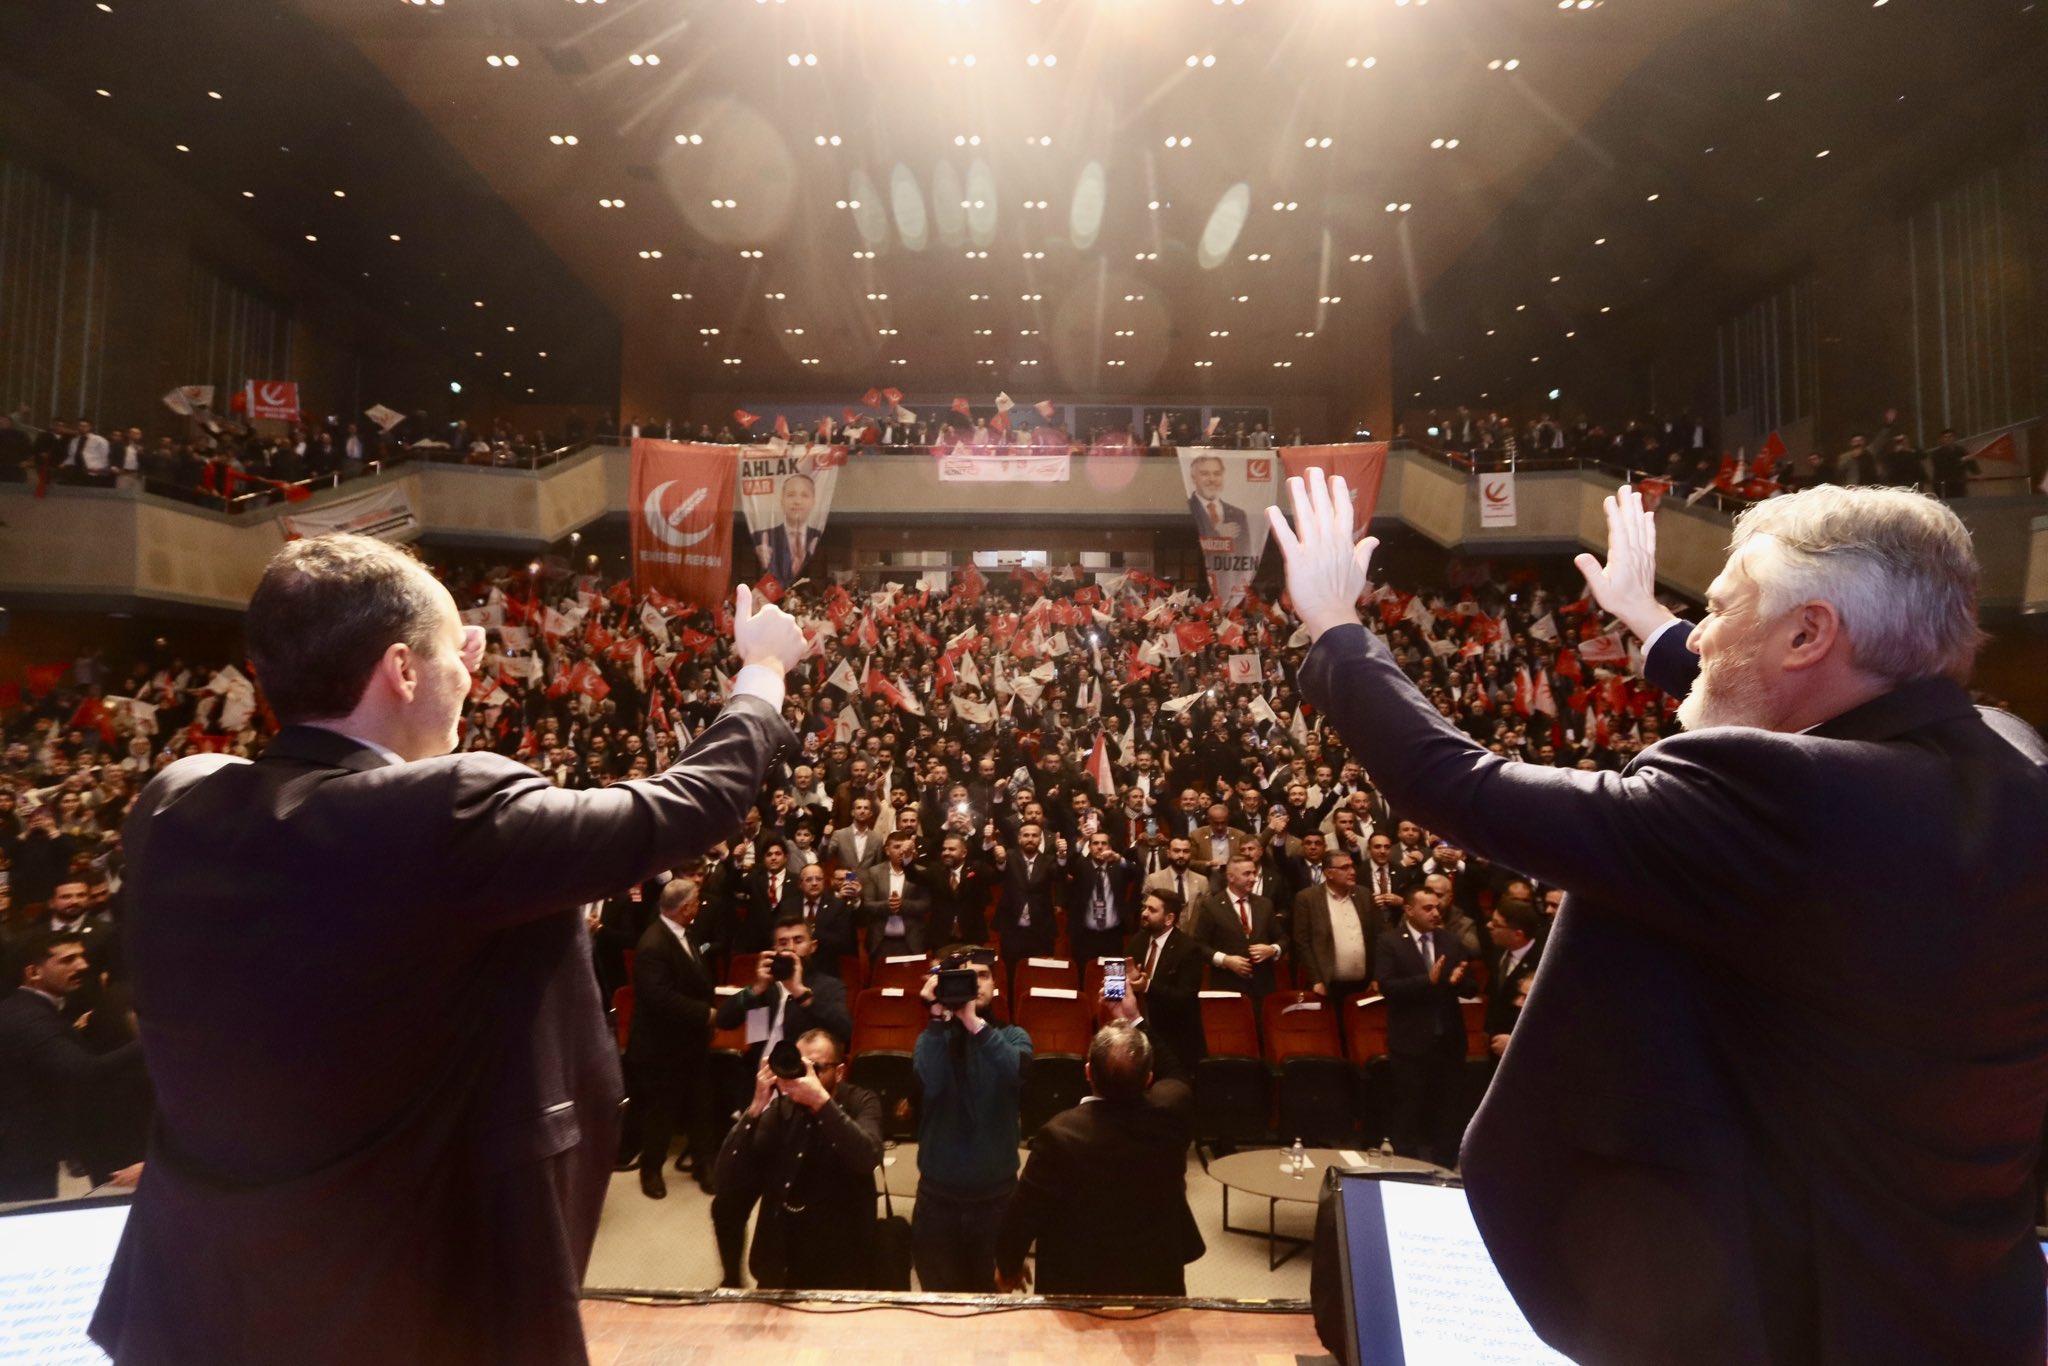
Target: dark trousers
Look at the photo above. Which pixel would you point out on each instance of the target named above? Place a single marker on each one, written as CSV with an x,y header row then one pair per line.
x,y
953,1239
671,1093
1426,1122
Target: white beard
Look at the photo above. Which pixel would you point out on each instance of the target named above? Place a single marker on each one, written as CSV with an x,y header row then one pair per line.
x,y
1730,694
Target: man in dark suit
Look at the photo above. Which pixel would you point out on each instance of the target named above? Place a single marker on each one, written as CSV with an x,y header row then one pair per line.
x,y
833,919
668,1047
1214,517
1422,973
1104,1192
1241,931
1688,1102
772,893
374,1033
1101,896
1026,926
786,551
1166,975
806,1149
789,1006
894,900
46,1072
960,890
1513,927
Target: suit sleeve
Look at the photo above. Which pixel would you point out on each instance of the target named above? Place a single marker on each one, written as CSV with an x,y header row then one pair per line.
x,y
1396,982
827,1010
1716,813
853,1132
1670,664
520,847
1025,1214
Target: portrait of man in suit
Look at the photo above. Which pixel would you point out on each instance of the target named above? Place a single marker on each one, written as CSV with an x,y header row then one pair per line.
x,y
786,550
1685,1102
446,1112
1213,517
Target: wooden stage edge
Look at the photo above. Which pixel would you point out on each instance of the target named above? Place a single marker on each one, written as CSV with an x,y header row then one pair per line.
x,y
634,1328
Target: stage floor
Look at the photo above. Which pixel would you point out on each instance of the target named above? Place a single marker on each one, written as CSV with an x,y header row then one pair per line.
x,y
835,1335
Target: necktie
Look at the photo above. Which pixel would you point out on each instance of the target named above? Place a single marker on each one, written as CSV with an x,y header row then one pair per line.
x,y
1244,913
1180,885
796,551
810,909
1215,515
1101,898
1315,874
1428,947
775,889
1151,960
956,879
1379,873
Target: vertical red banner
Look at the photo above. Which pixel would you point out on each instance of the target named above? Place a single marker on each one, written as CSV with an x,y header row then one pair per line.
x,y
682,519
1363,466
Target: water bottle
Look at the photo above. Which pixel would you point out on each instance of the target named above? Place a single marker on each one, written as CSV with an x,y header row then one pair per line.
x,y
1386,1147
1297,1160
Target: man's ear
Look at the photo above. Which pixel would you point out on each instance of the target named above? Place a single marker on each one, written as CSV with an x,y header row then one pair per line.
x,y
1816,634
398,670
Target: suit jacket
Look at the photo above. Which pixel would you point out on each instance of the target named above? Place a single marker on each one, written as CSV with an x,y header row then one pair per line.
x,y
1038,891
874,904
674,998
1196,884
1104,1196
839,849
771,548
1231,513
1502,1013
825,1010
837,928
411,1035
1688,1094
45,1072
1173,1004
814,1176
1217,928
756,930
968,906
1423,1017
1202,857
1081,884
1315,947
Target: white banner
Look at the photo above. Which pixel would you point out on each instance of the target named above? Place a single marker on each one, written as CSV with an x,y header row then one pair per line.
x,y
786,493
964,465
386,514
189,400
1228,494
1497,499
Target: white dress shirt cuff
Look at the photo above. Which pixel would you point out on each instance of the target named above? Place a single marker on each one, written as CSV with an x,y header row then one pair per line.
x,y
758,680
1658,634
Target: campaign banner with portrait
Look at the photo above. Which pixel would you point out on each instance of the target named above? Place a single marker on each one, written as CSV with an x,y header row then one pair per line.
x,y
1228,494
1363,464
681,515
385,513
786,494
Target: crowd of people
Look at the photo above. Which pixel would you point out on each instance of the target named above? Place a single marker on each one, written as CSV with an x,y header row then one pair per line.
x,y
1680,455
1046,763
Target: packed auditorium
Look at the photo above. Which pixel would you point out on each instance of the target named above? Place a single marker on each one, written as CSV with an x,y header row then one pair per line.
x,y
672,670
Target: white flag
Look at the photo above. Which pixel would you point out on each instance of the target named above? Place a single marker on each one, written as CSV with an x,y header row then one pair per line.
x,y
1244,669
969,672
973,712
843,678
1262,710
1004,403
385,418
1176,706
654,623
516,637
1544,629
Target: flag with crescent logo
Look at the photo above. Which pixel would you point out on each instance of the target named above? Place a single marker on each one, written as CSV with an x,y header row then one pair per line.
x,y
682,519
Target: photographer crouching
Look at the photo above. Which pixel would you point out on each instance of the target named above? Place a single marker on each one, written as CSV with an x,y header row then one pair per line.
x,y
807,1149
970,1066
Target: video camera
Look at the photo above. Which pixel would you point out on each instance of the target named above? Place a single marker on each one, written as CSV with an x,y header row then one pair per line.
x,y
958,983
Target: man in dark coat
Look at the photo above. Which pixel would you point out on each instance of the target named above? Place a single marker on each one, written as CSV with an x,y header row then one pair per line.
x,y
1166,975
1423,972
366,996
668,1046
807,1149
1104,1192
1704,1145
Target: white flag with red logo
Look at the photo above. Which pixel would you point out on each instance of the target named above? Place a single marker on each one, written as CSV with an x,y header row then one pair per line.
x,y
1604,649
1099,771
1244,669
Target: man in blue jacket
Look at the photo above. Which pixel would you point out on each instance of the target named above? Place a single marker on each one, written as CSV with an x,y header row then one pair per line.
x,y
971,1069
1777,1090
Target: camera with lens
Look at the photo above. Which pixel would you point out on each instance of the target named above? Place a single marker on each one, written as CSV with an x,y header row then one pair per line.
x,y
782,966
785,1062
958,982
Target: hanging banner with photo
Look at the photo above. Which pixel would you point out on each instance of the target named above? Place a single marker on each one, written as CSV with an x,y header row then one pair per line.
x,y
1228,494
1362,464
386,514
681,515
786,493
1497,499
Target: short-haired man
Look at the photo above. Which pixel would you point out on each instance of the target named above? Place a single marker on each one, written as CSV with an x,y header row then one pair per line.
x,y
1422,973
1104,1192
1513,927
1719,1104
1335,932
971,1069
1165,972
959,888
894,900
1241,930
433,1089
45,1071
806,1149
1026,924
668,1045
1100,884
789,997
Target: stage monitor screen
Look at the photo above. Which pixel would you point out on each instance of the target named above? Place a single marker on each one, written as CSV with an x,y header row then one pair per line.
x,y
53,1260
1423,1290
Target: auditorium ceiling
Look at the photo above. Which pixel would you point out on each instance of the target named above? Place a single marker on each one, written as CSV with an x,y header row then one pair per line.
x,y
1057,199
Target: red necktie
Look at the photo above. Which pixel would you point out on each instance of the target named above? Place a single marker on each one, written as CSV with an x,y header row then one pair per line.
x,y
1244,913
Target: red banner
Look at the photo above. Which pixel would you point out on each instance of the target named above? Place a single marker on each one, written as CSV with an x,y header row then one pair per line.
x,y
1362,465
682,519
274,400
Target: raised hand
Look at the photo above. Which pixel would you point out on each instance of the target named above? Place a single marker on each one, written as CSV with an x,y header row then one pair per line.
x,y
1325,571
1626,586
768,636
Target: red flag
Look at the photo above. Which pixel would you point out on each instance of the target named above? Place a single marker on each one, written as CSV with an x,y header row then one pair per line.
x,y
1137,669
849,416
1362,465
943,673
1767,459
271,400
872,398
693,642
962,407
596,636
895,396
971,584
681,515
745,418
43,677
1604,649
1193,635
999,423
770,588
621,593
1525,692
1653,492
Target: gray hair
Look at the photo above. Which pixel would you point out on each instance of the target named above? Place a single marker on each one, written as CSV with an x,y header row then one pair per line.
x,y
1897,566
1120,1061
677,892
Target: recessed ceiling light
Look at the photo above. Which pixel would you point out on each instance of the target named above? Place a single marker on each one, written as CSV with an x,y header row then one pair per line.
x,y
1223,333
1240,298
394,237
1821,153
510,328
1304,334
1204,364
104,94
562,139
1774,95
678,296
690,139
1361,257
1207,59
248,194
1362,63
826,139
748,253
183,148
644,59
341,194
213,94
311,238
1654,198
